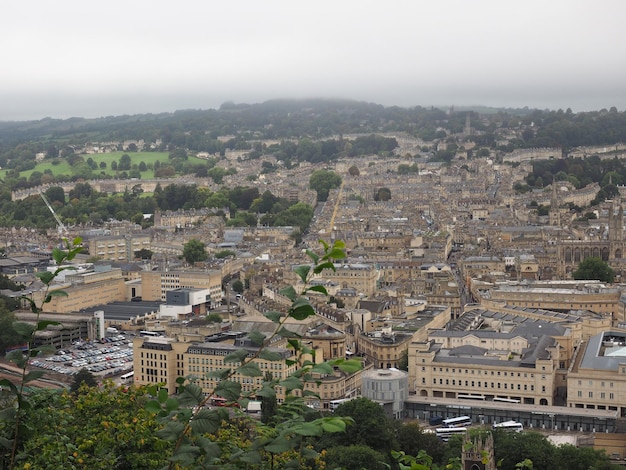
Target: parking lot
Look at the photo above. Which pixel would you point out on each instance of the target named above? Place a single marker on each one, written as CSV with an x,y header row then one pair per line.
x,y
106,358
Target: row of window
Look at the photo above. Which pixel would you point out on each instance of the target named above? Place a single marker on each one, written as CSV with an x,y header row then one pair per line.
x,y
484,384
495,373
593,407
149,355
602,383
602,395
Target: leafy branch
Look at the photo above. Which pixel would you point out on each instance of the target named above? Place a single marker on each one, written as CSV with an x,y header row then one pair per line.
x,y
21,358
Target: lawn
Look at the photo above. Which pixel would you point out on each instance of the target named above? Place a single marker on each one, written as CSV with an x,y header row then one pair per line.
x,y
64,168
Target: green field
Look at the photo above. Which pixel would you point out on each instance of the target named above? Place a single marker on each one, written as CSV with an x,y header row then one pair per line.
x,y
64,168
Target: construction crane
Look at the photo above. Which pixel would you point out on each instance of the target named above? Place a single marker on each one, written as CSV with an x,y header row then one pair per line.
x,y
61,228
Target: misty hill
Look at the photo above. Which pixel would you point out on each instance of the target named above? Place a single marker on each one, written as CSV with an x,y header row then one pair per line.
x,y
323,118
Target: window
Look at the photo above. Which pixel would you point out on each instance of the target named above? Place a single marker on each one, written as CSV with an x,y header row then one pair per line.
x,y
580,393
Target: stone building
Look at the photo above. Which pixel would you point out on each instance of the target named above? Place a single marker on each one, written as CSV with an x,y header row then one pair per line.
x,y
389,387
563,296
84,290
487,365
362,277
155,284
117,247
597,378
162,360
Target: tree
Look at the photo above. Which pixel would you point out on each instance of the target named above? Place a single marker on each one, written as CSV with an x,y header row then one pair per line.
x,y
101,428
8,336
193,251
238,286
412,439
403,362
178,153
322,181
382,194
214,318
144,253
269,405
83,377
52,152
543,210
125,162
594,268
371,426
300,215
355,457
224,254
354,171
55,194
512,448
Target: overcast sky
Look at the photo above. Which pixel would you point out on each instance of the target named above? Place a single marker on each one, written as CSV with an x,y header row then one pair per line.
x,y
68,58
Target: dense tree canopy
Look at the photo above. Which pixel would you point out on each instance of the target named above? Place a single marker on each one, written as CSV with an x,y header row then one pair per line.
x,y
194,251
371,427
594,269
322,181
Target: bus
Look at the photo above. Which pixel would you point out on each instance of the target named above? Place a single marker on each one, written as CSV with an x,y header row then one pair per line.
x,y
435,420
460,421
509,426
506,400
149,334
333,404
129,377
219,401
471,397
445,433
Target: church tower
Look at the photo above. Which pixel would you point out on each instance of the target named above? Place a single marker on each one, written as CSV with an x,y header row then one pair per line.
x,y
467,130
616,228
554,214
478,454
